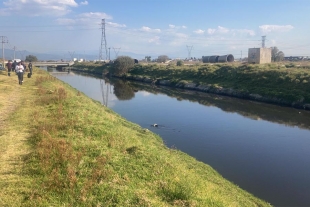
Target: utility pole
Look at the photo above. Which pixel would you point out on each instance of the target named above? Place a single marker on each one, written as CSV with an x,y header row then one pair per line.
x,y
103,41
3,40
241,55
109,54
263,41
189,49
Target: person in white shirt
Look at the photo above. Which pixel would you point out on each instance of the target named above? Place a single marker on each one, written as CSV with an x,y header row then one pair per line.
x,y
19,69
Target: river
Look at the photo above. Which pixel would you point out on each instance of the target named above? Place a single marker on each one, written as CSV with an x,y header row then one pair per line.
x,y
262,148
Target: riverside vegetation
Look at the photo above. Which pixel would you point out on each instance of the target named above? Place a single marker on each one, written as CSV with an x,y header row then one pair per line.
x,y
61,148
279,83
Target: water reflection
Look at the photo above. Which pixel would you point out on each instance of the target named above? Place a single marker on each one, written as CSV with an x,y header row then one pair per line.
x,y
250,109
123,90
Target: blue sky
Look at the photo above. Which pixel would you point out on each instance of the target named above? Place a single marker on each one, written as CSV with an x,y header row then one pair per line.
x,y
156,27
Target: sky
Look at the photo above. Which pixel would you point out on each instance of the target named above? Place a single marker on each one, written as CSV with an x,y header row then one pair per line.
x,y
176,28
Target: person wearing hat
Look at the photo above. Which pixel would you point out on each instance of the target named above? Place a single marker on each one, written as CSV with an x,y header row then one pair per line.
x,y
19,69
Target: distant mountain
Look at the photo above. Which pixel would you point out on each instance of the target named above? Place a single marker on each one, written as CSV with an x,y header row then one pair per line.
x,y
9,54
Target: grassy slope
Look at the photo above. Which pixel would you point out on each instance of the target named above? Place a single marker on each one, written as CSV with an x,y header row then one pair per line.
x,y
287,82
83,154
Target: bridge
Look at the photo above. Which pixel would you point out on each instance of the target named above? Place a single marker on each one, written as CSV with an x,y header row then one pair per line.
x,y
70,63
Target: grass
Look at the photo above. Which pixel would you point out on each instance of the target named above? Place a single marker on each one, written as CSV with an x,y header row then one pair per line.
x,y
284,81
75,152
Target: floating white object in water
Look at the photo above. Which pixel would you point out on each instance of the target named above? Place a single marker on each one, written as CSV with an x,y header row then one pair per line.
x,y
155,125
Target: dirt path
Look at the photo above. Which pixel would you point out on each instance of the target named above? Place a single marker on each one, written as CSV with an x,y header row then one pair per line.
x,y
13,146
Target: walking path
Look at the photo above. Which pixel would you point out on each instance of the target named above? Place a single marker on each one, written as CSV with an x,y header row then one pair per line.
x,y
13,142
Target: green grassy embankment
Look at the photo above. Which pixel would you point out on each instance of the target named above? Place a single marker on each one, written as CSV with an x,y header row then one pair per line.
x,y
63,149
287,82
281,83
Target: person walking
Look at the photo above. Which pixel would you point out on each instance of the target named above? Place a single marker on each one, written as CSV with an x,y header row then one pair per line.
x,y
9,65
14,64
19,69
24,65
30,67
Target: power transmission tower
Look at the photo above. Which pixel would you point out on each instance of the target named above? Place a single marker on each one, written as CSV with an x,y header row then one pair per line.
x,y
103,41
263,41
116,52
189,49
3,40
14,48
71,54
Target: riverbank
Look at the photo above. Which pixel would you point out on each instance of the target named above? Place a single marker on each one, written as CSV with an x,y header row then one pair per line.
x,y
62,148
285,84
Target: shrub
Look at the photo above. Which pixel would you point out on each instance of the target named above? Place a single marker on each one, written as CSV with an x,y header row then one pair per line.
x,y
180,63
122,65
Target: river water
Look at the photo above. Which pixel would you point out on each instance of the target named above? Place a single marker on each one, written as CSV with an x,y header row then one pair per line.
x,y
262,148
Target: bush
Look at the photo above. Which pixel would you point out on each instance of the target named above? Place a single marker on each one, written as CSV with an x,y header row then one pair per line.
x,y
122,65
180,63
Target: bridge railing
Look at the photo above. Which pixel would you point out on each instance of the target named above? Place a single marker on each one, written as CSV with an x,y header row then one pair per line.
x,y
53,63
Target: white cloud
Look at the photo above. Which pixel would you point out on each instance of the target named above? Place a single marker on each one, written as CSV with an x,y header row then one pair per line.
x,y
147,29
116,24
84,3
172,26
218,30
37,7
275,28
178,39
199,31
155,40
90,18
225,31
66,21
244,31
95,15
211,31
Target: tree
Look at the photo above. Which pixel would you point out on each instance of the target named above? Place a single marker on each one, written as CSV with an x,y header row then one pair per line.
x,y
31,58
148,58
122,65
162,58
180,63
276,55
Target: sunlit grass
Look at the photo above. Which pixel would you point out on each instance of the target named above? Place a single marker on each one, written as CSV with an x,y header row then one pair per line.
x,y
287,81
79,153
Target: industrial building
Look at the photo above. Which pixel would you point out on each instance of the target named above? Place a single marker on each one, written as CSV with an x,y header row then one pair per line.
x,y
218,59
259,55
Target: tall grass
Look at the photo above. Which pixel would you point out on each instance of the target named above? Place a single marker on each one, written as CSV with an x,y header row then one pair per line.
x,y
86,155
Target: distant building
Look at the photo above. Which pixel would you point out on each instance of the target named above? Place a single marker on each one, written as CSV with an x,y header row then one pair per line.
x,y
259,55
296,58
